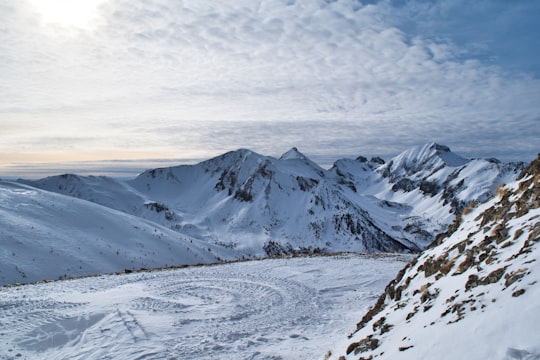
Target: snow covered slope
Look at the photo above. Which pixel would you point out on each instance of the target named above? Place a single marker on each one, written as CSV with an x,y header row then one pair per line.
x,y
101,190
44,235
473,294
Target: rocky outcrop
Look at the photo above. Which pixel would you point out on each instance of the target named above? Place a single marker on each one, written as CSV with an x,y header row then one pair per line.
x,y
481,268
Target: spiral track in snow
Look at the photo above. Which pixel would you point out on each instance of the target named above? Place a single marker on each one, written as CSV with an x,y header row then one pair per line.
x,y
212,306
255,310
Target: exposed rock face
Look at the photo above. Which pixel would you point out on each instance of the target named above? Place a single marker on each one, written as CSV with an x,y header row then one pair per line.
x,y
481,274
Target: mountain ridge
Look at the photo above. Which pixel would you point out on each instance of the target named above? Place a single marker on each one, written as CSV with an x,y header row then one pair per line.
x,y
244,204
246,175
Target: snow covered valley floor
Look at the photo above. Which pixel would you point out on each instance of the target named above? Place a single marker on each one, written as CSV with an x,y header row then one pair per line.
x,y
270,309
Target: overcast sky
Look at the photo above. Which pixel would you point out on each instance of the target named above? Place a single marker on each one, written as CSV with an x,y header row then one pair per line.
x,y
108,85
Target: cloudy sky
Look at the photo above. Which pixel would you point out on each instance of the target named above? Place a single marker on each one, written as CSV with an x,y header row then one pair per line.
x,y
116,86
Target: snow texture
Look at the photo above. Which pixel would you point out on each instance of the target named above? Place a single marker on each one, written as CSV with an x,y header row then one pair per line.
x,y
269,309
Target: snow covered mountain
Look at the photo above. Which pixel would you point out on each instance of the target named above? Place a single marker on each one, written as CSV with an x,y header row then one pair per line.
x,y
473,294
431,181
243,204
44,235
280,205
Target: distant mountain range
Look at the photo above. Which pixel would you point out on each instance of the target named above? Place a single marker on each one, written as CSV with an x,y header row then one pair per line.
x,y
238,205
473,294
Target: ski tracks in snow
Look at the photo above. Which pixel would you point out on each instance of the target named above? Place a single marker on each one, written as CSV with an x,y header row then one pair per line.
x,y
251,310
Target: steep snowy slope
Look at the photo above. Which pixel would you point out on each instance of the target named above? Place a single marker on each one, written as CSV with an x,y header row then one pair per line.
x,y
259,205
473,294
49,236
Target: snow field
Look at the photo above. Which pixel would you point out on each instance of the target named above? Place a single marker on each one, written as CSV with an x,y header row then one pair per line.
x,y
270,309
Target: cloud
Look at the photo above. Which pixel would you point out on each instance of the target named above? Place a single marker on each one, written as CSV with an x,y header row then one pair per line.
x,y
333,78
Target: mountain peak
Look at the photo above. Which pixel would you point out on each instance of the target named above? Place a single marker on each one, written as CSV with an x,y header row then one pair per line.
x,y
439,147
293,154
444,152
425,152
429,157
